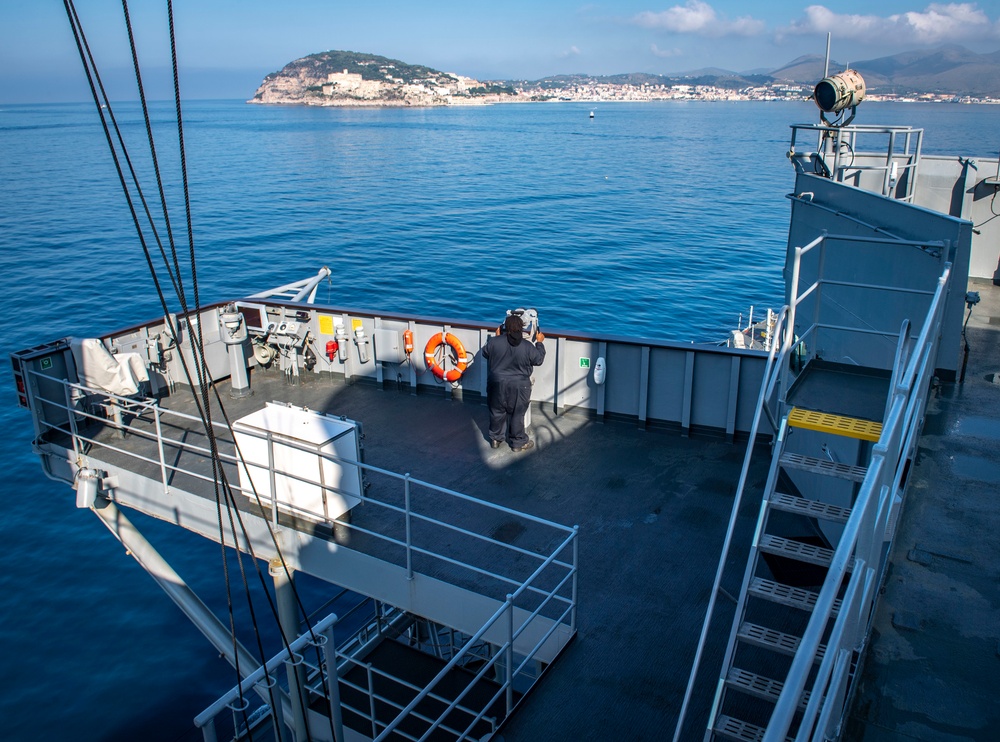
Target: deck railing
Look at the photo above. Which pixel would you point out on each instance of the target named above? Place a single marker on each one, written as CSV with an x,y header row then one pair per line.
x,y
808,338
863,541
838,153
536,586
914,364
404,508
777,358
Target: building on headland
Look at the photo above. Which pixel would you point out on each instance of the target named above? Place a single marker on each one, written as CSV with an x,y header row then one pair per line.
x,y
351,84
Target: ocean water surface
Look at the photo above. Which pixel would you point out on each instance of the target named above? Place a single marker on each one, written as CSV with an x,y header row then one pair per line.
x,y
663,220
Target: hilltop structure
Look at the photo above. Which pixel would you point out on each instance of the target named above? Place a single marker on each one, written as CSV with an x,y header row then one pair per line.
x,y
338,78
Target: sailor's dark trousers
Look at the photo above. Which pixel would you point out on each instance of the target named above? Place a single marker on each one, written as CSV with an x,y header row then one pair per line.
x,y
508,400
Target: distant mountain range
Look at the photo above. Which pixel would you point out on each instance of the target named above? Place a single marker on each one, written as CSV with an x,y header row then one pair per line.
x,y
948,69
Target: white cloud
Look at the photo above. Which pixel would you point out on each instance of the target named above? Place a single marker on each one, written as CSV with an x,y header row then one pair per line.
x,y
697,17
573,51
664,53
938,23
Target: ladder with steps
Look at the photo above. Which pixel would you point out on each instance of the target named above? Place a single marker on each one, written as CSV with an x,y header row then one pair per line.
x,y
771,615
792,649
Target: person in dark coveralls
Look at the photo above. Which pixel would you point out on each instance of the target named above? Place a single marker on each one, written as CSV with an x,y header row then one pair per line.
x,y
511,359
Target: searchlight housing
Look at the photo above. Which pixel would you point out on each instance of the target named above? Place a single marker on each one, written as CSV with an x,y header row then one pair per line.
x,y
836,93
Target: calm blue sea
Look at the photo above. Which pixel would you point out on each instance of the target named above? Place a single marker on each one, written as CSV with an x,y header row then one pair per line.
x,y
659,220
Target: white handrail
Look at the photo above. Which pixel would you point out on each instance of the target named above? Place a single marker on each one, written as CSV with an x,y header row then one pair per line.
x,y
165,446
772,369
884,473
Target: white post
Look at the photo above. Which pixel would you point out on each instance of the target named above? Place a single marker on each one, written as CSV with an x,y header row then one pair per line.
x,y
284,596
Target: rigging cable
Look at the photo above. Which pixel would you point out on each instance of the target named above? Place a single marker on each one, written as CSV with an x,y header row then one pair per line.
x,y
80,39
92,73
205,383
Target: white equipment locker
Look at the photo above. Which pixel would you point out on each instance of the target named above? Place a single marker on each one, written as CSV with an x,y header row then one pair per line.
x,y
305,483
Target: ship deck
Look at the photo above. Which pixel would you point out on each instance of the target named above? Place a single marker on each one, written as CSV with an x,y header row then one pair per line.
x,y
932,668
651,505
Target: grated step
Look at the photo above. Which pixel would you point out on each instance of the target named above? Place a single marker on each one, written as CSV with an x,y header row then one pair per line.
x,y
824,422
809,508
823,466
778,641
801,552
736,729
794,597
759,686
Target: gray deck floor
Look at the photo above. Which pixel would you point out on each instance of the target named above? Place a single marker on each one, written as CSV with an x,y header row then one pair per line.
x,y
652,508
932,671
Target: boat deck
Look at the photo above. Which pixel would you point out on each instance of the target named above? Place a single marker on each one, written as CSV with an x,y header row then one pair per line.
x,y
651,505
932,671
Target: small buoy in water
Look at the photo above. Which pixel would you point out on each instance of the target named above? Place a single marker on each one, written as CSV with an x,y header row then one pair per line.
x,y
591,114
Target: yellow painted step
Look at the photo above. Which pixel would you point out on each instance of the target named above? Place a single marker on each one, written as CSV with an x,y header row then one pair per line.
x,y
824,422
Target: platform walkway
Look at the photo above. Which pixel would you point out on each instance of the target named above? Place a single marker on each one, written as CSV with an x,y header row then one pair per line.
x,y
652,508
932,671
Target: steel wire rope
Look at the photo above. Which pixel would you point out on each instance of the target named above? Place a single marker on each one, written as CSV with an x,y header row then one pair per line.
x,y
92,72
154,159
128,162
204,385
221,490
79,38
194,283
220,479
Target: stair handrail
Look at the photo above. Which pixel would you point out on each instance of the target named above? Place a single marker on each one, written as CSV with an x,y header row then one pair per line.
x,y
903,347
885,470
775,360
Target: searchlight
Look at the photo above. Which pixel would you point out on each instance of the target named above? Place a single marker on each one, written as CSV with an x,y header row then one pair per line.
x,y
836,93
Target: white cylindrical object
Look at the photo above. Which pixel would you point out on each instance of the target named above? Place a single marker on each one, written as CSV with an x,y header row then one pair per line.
x,y
362,341
600,371
88,484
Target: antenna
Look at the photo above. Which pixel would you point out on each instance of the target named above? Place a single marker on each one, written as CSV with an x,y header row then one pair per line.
x,y
826,65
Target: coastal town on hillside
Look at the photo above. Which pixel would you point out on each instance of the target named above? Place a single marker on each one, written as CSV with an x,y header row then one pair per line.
x,y
600,92
351,89
356,80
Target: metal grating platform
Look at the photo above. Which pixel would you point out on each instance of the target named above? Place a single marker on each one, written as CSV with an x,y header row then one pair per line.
x,y
824,422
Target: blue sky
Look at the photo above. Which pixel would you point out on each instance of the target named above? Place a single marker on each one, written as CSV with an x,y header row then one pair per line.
x,y
227,46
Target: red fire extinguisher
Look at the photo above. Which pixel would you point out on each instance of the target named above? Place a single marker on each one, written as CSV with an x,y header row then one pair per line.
x,y
331,350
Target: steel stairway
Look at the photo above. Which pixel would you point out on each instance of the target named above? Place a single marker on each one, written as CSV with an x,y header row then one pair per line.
x,y
793,545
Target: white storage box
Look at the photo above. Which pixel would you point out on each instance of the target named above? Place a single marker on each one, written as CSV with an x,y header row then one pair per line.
x,y
305,483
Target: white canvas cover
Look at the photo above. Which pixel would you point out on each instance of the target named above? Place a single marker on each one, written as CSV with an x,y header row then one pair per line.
x,y
98,368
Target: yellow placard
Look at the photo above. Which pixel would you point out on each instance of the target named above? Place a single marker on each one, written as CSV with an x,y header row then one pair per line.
x,y
356,323
325,324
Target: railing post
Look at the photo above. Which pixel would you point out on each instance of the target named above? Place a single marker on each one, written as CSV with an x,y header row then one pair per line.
x,y
371,698
510,654
406,504
281,732
72,422
576,573
159,448
208,732
333,684
820,268
272,479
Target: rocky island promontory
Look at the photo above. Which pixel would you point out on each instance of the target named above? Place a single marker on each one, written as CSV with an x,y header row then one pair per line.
x,y
343,78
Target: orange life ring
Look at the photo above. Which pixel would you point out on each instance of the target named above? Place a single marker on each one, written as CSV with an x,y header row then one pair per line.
x,y
461,360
